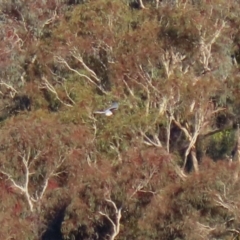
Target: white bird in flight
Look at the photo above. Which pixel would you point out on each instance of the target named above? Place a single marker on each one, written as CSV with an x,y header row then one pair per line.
x,y
108,111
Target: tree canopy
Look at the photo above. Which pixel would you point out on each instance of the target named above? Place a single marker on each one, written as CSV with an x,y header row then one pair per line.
x,y
165,165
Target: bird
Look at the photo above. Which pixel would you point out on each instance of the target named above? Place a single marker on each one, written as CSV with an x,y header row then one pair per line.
x,y
109,111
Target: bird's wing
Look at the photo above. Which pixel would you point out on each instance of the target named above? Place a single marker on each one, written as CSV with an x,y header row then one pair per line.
x,y
114,106
100,112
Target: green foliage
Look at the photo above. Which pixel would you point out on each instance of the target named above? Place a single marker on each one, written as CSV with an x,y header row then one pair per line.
x,y
221,144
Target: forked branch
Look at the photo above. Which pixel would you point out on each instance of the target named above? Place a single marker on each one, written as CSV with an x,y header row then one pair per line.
x,y
47,85
92,78
24,187
27,161
12,91
116,222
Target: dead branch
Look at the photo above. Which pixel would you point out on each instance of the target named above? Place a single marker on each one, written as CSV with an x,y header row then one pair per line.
x,y
151,142
12,90
220,202
204,230
47,85
94,125
61,60
24,188
172,60
23,21
95,81
206,45
116,147
51,19
129,89
78,57
27,161
201,117
169,106
49,175
16,41
141,5
115,223
144,183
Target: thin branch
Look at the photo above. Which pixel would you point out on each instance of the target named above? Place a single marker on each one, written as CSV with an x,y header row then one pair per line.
x,y
12,180
144,183
46,84
50,20
224,204
27,160
116,147
24,188
12,90
61,60
80,59
129,89
156,143
93,74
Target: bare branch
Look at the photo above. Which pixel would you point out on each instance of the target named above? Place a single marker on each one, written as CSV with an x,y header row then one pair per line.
x,y
144,183
206,45
61,60
116,147
96,82
224,204
12,90
12,180
182,128
204,230
27,161
52,173
129,89
116,223
141,5
90,71
172,60
24,188
155,142
68,95
50,20
46,84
